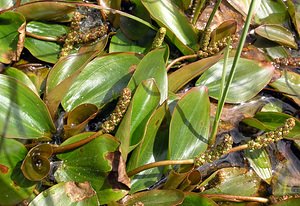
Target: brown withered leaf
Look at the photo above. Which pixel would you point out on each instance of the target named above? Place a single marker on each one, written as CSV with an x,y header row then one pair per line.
x,y
79,191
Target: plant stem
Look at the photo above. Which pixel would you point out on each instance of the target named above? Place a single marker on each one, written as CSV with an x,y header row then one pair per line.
x,y
75,145
235,198
221,104
44,38
191,56
158,164
236,58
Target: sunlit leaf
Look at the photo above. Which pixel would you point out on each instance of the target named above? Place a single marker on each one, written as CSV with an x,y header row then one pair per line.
x,y
50,10
144,102
225,29
152,66
22,113
43,50
12,34
101,80
259,160
235,181
294,11
14,186
46,29
268,121
179,30
278,34
92,162
182,76
288,202
193,199
249,79
189,127
67,194
5,4
20,76
271,12
149,150
156,197
242,6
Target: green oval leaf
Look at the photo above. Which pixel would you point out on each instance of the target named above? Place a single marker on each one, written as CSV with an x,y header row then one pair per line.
x,y
43,50
294,11
259,160
67,194
156,197
249,79
182,76
12,34
22,113
14,186
272,12
20,76
152,66
46,29
150,149
179,30
144,102
47,11
101,80
189,127
278,34
193,199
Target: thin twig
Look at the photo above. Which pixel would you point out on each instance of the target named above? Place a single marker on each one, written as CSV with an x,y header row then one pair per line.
x,y
181,59
235,198
44,38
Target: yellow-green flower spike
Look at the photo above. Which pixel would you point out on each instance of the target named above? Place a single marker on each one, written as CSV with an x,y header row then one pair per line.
x,y
159,38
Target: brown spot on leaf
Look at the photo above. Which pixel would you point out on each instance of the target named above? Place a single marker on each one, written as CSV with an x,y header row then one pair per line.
x,y
3,169
132,68
79,191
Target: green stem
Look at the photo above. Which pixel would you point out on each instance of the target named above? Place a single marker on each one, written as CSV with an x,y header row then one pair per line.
x,y
198,8
221,104
237,57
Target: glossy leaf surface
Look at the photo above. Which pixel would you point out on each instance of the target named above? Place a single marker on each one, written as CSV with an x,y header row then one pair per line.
x,y
149,150
156,197
294,11
192,199
101,80
179,29
67,194
189,126
48,30
143,103
20,76
12,34
14,186
148,68
249,79
278,34
182,76
23,114
271,12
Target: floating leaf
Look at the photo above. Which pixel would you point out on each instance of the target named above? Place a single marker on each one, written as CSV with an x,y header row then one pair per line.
x,y
182,76
278,34
101,80
120,43
179,30
249,79
192,199
242,6
12,34
189,127
271,12
36,165
46,29
23,114
288,202
14,186
268,121
92,162
149,150
235,181
259,160
156,197
47,11
294,11
20,76
143,103
67,194
43,50
148,68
